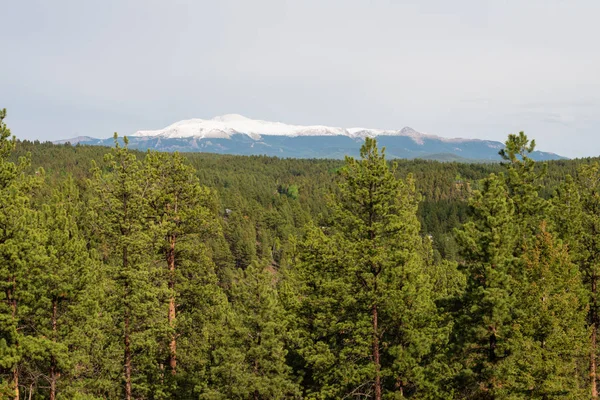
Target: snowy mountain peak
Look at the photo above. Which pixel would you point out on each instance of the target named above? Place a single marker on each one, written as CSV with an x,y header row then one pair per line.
x,y
407,130
224,126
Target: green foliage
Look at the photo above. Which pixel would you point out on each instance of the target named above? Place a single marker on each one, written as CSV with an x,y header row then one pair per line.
x,y
487,308
524,183
253,363
549,345
366,309
121,210
21,256
519,329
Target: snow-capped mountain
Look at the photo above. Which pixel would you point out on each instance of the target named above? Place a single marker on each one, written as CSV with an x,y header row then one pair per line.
x,y
236,134
224,126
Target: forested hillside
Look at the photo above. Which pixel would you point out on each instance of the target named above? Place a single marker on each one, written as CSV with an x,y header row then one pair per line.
x,y
200,276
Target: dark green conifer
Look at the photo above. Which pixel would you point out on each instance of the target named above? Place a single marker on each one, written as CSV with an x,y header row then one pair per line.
x,y
122,213
365,296
62,297
549,340
184,222
484,323
21,254
253,364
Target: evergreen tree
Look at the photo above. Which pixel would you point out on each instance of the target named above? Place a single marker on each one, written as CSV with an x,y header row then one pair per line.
x,y
121,206
184,223
61,286
366,306
549,340
180,210
484,323
509,326
253,365
241,235
21,253
203,319
524,183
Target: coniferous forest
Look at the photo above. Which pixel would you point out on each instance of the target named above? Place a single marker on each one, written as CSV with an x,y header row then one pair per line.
x,y
199,276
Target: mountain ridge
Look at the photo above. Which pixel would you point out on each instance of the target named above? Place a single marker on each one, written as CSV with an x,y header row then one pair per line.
x,y
228,124
236,134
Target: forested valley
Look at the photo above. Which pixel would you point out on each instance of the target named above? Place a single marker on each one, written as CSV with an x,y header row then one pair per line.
x,y
198,276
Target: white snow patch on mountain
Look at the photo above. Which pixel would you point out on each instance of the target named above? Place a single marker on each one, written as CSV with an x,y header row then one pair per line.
x,y
226,125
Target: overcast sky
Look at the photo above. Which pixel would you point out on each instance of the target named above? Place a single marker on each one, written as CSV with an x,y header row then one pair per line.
x,y
462,68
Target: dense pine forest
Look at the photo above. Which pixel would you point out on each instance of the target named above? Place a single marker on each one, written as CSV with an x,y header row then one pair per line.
x,y
199,276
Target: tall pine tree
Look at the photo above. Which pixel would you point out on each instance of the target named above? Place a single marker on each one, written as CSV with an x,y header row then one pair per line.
x,y
550,337
21,254
122,212
365,303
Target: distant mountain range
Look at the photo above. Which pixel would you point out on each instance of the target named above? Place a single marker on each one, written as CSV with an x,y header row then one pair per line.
x,y
235,134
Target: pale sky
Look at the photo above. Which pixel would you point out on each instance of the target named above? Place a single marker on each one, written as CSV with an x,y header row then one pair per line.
x,y
462,68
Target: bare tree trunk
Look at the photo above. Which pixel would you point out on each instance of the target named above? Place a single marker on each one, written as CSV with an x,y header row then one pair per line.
x,y
376,358
54,374
16,382
173,344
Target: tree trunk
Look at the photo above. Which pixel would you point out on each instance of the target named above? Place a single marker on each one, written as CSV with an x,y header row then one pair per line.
x,y
593,344
376,359
53,367
173,344
16,382
127,355
53,379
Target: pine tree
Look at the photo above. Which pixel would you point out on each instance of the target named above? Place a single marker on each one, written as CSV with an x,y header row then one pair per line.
x,y
524,183
550,336
184,228
484,322
21,253
121,206
253,365
366,309
180,208
60,288
514,317
203,320
241,235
